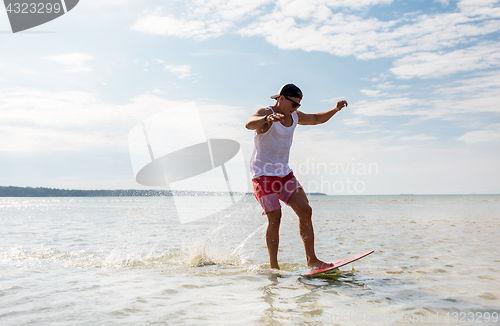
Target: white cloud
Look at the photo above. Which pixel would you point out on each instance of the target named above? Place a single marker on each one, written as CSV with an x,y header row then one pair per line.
x,y
417,138
391,86
338,34
321,10
356,122
369,92
391,107
480,7
181,71
463,98
157,24
158,91
75,62
342,28
479,136
480,84
428,64
380,78
215,52
468,96
443,2
200,20
70,59
347,34
299,6
35,120
41,121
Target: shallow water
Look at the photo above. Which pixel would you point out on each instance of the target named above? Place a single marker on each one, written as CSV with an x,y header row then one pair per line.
x,y
129,261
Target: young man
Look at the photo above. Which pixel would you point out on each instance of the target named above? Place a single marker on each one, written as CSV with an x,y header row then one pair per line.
x,y
272,177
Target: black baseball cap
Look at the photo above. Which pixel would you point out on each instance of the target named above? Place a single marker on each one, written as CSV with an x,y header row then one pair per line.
x,y
289,90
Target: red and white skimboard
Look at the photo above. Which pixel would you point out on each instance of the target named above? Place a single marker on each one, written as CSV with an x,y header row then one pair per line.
x,y
335,265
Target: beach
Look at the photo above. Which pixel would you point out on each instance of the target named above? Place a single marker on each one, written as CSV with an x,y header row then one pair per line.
x,y
129,261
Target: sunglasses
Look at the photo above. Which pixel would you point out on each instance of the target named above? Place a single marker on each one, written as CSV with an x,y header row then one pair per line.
x,y
295,104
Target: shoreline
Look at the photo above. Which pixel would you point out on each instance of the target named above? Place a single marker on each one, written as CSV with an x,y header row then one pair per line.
x,y
12,191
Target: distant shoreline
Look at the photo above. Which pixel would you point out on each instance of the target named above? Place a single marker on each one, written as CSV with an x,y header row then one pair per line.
x,y
53,192
12,191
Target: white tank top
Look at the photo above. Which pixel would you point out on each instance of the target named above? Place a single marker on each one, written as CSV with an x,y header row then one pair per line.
x,y
272,150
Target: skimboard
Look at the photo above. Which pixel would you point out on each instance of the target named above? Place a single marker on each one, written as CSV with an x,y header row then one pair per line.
x,y
335,265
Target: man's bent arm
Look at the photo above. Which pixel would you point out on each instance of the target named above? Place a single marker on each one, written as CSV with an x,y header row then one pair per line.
x,y
322,117
257,120
262,117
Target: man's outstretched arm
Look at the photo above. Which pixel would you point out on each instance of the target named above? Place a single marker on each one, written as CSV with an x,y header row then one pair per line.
x,y
322,117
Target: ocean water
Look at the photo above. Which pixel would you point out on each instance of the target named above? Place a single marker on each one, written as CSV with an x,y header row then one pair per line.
x,y
128,261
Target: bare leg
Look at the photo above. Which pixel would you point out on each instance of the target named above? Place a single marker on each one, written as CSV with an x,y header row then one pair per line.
x,y
298,201
273,236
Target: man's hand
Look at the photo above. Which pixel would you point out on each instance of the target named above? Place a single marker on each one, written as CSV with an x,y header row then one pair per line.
x,y
274,117
262,118
340,105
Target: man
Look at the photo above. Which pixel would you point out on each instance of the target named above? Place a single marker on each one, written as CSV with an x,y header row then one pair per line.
x,y
272,178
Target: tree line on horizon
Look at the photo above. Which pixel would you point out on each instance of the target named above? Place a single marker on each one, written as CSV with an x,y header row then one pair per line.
x,y
12,191
53,192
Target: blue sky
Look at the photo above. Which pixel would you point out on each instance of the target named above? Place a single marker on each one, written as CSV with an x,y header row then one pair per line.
x,y
421,78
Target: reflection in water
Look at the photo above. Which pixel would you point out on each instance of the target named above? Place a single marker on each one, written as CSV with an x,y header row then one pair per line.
x,y
298,298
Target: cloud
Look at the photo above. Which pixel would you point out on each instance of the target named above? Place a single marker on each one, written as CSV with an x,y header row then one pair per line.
x,y
463,98
157,24
443,2
356,122
42,121
158,91
399,106
417,138
344,34
478,84
386,89
338,34
428,64
472,95
480,8
181,71
215,52
345,28
371,93
198,20
75,62
479,136
202,20
37,120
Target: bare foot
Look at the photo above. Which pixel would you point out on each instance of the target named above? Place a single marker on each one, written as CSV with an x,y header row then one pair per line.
x,y
319,264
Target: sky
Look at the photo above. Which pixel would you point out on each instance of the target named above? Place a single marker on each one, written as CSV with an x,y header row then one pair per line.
x,y
422,79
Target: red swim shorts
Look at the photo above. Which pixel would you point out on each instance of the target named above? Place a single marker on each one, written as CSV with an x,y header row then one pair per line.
x,y
268,190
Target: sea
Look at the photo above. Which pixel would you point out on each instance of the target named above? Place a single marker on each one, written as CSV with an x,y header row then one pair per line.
x,y
129,261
